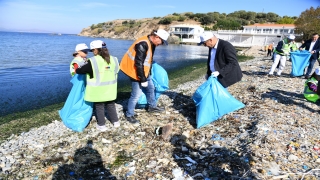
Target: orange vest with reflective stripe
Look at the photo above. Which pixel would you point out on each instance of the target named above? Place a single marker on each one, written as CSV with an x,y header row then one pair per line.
x,y
127,63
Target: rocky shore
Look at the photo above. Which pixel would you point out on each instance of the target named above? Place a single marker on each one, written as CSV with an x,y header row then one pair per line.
x,y
275,136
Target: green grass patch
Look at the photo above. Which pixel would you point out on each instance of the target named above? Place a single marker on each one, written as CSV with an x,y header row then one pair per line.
x,y
242,58
17,123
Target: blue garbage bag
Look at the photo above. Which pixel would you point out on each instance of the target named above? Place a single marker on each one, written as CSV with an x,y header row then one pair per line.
x,y
213,101
300,60
76,112
161,83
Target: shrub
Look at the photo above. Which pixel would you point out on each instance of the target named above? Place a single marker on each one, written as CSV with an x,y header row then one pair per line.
x,y
165,21
119,29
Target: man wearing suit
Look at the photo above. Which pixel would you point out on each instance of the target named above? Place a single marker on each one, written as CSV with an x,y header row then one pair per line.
x,y
222,60
313,46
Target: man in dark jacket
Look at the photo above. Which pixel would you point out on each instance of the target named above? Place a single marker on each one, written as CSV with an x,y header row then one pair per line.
x,y
313,46
222,60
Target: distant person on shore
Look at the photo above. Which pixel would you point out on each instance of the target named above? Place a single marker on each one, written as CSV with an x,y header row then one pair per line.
x,y
102,74
270,48
80,57
281,54
311,88
313,46
136,64
222,60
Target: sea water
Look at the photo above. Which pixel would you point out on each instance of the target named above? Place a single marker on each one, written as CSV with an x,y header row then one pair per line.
x,y
34,69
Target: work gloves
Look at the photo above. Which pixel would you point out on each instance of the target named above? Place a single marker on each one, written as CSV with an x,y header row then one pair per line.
x,y
144,84
214,74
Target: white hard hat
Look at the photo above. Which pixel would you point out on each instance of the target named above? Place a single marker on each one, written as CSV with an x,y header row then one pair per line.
x,y
163,35
291,36
97,44
205,36
81,46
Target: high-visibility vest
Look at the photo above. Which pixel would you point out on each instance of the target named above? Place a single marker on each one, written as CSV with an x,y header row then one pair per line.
x,y
103,86
294,46
309,94
285,48
127,62
78,60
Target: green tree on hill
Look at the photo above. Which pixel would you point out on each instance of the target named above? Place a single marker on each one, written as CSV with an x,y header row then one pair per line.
x,y
308,22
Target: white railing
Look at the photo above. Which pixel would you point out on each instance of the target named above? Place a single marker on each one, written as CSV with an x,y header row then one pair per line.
x,y
182,32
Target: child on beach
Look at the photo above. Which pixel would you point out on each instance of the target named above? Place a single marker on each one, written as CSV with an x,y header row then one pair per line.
x,y
80,57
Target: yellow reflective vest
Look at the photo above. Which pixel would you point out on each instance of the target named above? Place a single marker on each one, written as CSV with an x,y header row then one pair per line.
x,y
309,94
127,62
285,48
103,86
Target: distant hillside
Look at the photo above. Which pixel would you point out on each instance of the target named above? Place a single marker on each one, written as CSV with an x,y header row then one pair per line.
x,y
135,28
127,28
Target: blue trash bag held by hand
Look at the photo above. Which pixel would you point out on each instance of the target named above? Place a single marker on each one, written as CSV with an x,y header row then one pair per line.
x,y
300,60
161,83
76,112
213,101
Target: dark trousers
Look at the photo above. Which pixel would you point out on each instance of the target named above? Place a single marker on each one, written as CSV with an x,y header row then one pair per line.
x,y
111,111
310,67
269,52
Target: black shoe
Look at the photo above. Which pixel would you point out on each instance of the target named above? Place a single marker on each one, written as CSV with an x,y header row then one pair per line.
x,y
307,77
132,120
156,109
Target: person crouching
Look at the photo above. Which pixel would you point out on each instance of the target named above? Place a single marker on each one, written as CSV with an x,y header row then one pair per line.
x,y
311,90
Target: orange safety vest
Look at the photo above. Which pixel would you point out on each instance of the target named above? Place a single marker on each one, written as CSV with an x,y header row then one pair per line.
x,y
127,63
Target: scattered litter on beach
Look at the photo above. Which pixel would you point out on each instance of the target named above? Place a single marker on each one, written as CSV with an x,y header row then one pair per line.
x,y
275,136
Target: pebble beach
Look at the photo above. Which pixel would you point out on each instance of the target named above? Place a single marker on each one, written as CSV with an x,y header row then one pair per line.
x,y
275,136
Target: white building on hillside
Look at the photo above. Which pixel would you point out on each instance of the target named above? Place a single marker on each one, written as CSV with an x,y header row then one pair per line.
x,y
257,34
187,33
251,35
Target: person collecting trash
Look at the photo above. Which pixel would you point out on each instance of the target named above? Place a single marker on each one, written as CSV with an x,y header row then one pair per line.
x,y
222,60
311,90
80,57
281,54
137,64
102,74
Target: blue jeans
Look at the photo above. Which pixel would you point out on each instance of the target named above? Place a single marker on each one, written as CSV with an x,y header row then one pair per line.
x,y
136,93
310,67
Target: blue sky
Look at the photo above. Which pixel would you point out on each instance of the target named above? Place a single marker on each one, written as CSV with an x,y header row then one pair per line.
x,y
71,16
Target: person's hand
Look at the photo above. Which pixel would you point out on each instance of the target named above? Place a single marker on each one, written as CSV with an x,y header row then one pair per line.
x,y
144,84
215,74
206,76
300,49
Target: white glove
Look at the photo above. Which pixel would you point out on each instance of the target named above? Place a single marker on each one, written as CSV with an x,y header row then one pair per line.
x,y
144,84
215,74
206,76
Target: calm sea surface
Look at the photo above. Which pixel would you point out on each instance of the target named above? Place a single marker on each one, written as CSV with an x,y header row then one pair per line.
x,y
34,69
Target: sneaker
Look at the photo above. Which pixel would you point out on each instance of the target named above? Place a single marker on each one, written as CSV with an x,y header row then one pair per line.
x,y
156,109
307,77
116,124
132,120
271,76
102,128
